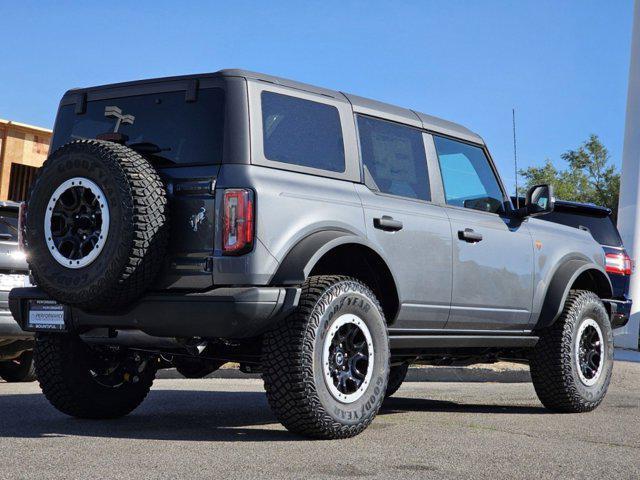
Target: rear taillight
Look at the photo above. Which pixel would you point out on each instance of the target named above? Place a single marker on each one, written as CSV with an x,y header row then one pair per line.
x,y
619,263
237,221
22,216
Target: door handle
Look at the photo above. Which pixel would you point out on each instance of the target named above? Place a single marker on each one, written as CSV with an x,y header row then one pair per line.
x,y
469,235
388,224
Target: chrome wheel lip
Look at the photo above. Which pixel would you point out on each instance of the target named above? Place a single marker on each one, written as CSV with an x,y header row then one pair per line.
x,y
579,354
342,320
104,229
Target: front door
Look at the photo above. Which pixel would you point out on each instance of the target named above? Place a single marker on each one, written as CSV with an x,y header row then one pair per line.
x,y
492,253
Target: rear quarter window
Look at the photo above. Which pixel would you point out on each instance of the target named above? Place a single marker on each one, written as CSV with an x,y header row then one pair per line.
x,y
302,132
601,228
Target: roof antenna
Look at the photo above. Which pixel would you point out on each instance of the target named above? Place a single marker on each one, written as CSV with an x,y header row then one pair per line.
x,y
515,155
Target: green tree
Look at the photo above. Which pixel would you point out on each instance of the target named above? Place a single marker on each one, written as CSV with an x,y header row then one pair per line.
x,y
589,177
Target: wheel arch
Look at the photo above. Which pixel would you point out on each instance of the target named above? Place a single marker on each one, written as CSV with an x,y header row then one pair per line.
x,y
573,274
339,252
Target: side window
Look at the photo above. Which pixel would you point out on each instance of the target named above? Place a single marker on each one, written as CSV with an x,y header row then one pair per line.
x,y
395,158
468,178
302,132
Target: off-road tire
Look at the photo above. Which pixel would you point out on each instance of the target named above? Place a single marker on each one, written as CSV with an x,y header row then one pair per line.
x,y
292,361
63,365
136,242
397,374
554,369
22,369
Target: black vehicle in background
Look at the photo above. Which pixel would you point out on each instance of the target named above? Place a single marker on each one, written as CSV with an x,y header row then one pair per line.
x,y
600,223
16,346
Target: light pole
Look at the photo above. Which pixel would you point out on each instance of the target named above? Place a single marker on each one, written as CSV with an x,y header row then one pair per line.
x,y
629,205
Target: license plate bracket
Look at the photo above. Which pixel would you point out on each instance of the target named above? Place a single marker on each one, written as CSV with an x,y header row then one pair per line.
x,y
46,316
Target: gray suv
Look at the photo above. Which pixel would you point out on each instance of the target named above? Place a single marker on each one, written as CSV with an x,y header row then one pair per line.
x,y
323,239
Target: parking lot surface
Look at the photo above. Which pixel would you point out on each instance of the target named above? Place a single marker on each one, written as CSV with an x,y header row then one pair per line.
x,y
222,428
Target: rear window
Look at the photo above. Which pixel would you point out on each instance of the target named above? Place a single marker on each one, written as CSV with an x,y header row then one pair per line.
x,y
178,131
8,224
602,229
302,132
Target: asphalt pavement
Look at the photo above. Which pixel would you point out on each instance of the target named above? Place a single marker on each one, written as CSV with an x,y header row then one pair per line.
x,y
222,428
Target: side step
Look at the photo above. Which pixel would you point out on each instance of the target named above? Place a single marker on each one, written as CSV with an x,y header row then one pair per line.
x,y
412,342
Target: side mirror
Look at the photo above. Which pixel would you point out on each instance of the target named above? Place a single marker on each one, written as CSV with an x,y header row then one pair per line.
x,y
540,200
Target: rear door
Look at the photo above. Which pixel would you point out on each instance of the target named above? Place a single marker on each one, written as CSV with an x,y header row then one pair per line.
x,y
400,218
492,253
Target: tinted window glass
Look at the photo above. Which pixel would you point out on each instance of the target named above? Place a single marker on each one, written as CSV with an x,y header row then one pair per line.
x,y
302,132
602,228
394,157
183,132
9,224
468,179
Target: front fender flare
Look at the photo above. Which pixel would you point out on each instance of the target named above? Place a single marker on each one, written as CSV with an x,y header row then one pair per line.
x,y
560,285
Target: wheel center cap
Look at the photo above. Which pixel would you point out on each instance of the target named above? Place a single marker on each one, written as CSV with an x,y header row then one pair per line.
x,y
339,359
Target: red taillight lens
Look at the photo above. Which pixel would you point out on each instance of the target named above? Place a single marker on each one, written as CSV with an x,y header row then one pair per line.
x,y
22,216
237,221
619,263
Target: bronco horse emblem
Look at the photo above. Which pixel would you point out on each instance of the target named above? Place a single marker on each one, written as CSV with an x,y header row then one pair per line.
x,y
197,219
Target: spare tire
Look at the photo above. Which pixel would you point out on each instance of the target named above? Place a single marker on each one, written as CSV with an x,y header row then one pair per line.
x,y
96,225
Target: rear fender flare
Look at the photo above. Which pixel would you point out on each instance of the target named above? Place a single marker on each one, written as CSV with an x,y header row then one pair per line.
x,y
300,260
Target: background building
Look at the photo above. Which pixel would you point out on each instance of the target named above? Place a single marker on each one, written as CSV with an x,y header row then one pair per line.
x,y
23,149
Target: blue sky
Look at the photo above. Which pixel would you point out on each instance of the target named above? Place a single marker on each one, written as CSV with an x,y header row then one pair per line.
x,y
562,65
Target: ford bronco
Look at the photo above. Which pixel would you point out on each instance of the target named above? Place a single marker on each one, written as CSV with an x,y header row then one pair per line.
x,y
325,240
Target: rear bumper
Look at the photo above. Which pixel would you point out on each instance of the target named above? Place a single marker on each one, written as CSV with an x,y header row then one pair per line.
x,y
239,312
620,312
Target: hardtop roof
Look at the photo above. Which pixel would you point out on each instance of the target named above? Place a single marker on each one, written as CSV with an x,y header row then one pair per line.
x,y
360,104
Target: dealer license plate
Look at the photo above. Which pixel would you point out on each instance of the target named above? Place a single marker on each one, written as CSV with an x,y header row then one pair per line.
x,y
46,315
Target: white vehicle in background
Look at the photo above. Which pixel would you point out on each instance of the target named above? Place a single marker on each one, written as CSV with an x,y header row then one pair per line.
x,y
16,346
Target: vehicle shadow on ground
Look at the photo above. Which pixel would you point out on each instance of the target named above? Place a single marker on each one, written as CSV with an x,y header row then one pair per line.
x,y
398,405
164,415
191,416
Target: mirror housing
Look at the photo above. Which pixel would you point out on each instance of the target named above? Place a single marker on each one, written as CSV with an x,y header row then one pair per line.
x,y
539,200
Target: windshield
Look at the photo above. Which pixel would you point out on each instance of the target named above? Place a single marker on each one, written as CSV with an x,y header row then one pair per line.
x,y
162,124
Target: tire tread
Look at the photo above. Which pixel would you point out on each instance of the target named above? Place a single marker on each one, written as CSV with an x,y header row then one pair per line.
x,y
288,363
551,363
